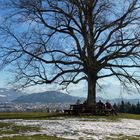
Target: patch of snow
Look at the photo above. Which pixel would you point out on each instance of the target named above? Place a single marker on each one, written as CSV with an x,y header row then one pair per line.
x,y
84,129
11,135
3,96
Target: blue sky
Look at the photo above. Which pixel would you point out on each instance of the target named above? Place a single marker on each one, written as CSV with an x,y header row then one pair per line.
x,y
111,87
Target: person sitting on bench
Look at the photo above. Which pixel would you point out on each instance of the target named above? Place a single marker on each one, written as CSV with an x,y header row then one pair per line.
x,y
110,108
100,105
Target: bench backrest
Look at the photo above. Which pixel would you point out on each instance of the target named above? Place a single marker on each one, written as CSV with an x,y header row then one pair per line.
x,y
81,107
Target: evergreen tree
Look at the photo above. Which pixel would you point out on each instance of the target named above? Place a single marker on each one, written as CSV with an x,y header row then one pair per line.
x,y
127,107
138,108
122,108
133,109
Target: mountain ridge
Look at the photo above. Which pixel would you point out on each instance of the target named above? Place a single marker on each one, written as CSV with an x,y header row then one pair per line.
x,y
59,97
15,96
48,97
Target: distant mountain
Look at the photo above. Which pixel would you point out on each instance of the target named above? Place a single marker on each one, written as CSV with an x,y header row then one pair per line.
x,y
8,95
119,100
48,97
12,95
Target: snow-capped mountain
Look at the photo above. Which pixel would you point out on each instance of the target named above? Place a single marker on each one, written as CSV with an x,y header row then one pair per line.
x,y
8,95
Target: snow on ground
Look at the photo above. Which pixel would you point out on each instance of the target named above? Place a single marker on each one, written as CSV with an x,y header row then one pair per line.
x,y
74,128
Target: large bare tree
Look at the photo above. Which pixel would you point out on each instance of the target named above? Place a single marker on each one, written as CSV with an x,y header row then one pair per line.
x,y
66,41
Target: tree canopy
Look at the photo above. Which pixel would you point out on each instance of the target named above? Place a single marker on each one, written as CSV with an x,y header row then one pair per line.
x,y
66,41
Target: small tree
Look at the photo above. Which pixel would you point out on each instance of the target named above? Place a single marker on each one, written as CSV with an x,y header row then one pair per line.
x,y
138,108
66,41
122,107
128,107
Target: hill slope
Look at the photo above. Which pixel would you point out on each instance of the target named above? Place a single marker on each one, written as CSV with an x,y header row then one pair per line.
x,y
47,97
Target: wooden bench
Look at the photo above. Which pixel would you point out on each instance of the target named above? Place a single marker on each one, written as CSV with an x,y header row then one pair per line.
x,y
69,111
87,109
74,109
78,109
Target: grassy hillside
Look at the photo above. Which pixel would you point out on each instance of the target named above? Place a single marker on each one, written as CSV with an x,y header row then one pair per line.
x,y
19,132
29,115
40,115
35,137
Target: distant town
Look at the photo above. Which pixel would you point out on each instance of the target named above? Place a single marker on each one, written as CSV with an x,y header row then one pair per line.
x,y
32,107
54,101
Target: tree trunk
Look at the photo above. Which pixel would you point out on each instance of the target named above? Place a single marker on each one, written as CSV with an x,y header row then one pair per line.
x,y
91,97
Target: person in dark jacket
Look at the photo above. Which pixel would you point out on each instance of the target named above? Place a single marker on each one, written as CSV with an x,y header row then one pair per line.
x,y
110,108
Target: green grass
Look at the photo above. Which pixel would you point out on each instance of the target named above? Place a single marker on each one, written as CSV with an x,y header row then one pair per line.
x,y
46,116
35,137
29,115
129,116
40,115
122,137
115,118
10,128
